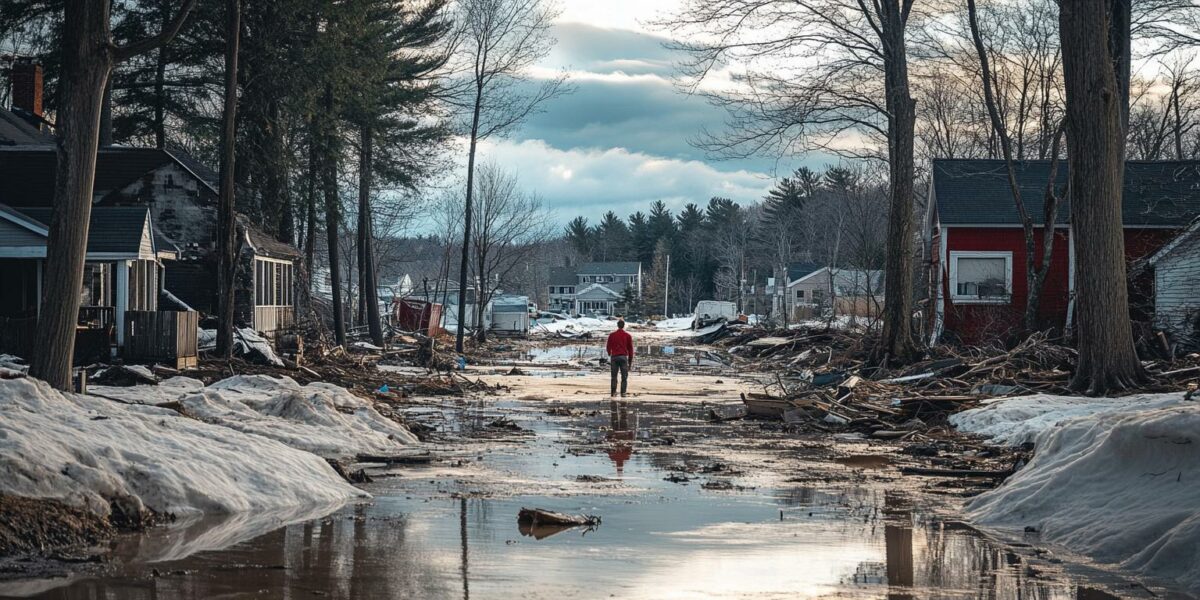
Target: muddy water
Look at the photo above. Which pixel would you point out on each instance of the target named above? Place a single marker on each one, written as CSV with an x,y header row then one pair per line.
x,y
677,522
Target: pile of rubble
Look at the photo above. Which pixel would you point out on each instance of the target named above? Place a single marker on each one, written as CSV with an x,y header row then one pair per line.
x,y
823,381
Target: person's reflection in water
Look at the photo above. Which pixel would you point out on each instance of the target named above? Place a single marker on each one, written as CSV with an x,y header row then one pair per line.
x,y
621,434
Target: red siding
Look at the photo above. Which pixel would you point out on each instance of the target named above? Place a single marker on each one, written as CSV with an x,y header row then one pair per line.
x,y
975,323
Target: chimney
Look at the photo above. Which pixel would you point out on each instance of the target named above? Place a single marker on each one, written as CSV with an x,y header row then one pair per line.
x,y
27,86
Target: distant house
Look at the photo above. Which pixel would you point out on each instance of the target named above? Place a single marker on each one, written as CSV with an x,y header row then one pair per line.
x,y
1176,269
976,243
844,291
561,297
510,314
594,288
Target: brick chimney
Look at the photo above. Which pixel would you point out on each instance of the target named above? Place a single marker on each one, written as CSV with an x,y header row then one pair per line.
x,y
27,86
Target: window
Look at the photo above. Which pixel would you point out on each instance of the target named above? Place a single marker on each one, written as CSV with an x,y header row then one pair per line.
x,y
273,282
981,277
800,295
97,289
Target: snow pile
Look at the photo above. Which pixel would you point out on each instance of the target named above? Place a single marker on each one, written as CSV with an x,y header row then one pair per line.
x,y
675,324
321,418
1122,486
576,325
1015,421
168,390
92,452
246,341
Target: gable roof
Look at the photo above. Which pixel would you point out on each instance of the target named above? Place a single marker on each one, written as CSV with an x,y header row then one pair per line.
x,y
798,270
113,229
604,292
1177,243
976,192
15,130
609,268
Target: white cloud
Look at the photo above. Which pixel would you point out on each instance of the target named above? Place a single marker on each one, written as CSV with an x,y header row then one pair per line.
x,y
589,182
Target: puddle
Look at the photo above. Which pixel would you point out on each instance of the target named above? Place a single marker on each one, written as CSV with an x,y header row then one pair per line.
x,y
591,354
436,532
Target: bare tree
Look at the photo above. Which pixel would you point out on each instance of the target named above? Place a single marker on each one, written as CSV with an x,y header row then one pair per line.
x,y
510,227
499,41
1095,43
226,223
1035,271
784,103
88,55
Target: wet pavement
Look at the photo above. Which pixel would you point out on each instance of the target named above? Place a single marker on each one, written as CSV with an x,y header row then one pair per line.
x,y
690,509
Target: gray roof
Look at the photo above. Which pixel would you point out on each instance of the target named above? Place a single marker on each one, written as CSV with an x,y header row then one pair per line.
x,y
800,269
976,191
608,268
15,129
113,229
563,276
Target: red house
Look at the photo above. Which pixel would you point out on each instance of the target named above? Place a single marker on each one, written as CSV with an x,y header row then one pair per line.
x,y
976,243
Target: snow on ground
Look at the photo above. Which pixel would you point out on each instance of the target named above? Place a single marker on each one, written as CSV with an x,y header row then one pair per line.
x,y
1118,480
1017,420
675,324
574,325
319,417
168,390
88,451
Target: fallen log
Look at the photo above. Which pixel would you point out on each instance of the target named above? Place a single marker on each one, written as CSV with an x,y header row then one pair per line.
x,y
933,472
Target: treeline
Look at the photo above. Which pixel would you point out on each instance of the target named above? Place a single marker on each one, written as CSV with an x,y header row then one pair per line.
x,y
727,251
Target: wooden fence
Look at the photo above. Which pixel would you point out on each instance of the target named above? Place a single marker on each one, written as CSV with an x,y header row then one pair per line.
x,y
167,337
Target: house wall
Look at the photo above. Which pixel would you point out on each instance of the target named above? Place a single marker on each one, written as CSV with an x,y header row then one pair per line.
x,y
13,235
976,323
182,209
1177,294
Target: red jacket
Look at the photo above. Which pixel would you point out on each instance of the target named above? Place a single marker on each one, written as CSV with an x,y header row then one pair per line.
x,y
620,343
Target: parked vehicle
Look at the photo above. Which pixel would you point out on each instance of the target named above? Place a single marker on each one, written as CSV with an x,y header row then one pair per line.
x,y
713,311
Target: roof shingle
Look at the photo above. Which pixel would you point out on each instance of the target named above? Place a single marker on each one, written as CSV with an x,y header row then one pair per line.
x,y
976,192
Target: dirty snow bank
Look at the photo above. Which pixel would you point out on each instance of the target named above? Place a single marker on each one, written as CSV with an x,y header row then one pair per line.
x,y
574,325
1015,421
1119,485
675,324
88,451
319,417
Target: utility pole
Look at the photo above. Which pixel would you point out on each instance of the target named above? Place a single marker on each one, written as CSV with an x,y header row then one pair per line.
x,y
667,288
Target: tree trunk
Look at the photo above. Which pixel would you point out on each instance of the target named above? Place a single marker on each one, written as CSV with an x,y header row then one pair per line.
x,y
226,222
896,343
370,289
86,68
466,248
1095,141
329,183
310,221
160,95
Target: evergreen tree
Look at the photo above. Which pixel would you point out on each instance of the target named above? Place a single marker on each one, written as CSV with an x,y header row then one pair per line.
x,y
581,237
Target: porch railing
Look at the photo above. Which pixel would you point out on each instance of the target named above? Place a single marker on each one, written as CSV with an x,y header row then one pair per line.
x,y
97,317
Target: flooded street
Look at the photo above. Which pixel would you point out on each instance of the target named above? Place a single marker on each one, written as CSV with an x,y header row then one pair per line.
x,y
689,509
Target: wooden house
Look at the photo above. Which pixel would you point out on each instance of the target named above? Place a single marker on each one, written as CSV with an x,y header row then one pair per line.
x,y
976,244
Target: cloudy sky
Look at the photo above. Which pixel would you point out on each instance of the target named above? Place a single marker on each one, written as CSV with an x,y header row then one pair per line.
x,y
620,141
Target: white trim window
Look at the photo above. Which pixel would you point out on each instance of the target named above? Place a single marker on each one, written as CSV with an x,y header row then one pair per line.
x,y
273,281
981,277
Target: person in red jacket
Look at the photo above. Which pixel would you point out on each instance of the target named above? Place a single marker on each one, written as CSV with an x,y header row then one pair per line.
x,y
620,357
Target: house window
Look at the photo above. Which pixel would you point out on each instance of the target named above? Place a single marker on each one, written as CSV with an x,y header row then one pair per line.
x,y
800,295
273,283
981,277
97,289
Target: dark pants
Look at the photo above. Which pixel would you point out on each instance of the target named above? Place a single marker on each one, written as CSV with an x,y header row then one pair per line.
x,y
619,364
